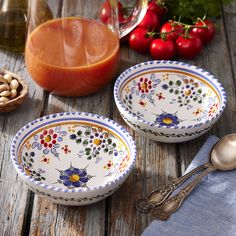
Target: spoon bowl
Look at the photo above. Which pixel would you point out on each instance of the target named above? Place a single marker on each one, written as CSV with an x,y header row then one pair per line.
x,y
223,155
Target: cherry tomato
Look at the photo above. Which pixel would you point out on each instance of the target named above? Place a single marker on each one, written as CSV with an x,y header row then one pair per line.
x,y
155,7
170,26
121,18
162,49
105,12
150,21
139,40
121,12
120,8
188,48
206,34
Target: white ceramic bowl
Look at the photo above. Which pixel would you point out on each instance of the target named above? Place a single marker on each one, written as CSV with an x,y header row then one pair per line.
x,y
73,158
169,101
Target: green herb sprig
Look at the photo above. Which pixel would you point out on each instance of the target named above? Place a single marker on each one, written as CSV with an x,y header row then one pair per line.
x,y
190,10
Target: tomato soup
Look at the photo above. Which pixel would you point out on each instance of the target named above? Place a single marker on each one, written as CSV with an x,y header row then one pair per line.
x,y
72,56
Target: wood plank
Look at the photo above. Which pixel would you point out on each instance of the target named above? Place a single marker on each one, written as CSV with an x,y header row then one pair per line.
x,y
156,164
14,194
229,16
88,220
64,220
217,58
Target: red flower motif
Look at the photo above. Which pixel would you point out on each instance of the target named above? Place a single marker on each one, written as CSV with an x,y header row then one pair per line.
x,y
144,85
109,165
160,96
197,112
66,149
142,103
213,109
45,159
48,138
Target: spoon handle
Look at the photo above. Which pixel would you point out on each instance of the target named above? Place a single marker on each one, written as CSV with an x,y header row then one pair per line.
x,y
168,207
158,196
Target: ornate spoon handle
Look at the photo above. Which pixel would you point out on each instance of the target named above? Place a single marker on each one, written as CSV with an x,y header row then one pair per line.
x,y
158,196
168,207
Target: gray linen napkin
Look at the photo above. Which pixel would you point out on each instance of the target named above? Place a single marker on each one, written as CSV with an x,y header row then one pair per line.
x,y
210,210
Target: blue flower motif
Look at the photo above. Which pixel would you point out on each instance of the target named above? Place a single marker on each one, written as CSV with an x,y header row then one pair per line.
x,y
165,86
74,177
167,119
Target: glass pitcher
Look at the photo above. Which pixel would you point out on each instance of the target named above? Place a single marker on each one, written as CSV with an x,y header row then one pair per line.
x,y
13,16
71,50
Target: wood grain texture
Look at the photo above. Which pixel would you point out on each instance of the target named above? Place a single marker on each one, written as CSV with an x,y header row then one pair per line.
x,y
14,195
155,165
230,33
27,214
50,219
219,58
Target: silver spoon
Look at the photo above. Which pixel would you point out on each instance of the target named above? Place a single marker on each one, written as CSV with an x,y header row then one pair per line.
x,y
222,157
158,196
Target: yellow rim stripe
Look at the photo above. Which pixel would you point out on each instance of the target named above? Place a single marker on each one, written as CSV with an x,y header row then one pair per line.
x,y
173,71
75,123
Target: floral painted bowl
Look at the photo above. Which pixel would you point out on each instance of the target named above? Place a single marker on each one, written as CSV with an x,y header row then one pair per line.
x,y
73,158
169,101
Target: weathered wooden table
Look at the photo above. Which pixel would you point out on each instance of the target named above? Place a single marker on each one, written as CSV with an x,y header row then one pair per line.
x,y
24,213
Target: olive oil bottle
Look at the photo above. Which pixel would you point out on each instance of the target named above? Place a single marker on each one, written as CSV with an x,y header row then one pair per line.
x,y
13,18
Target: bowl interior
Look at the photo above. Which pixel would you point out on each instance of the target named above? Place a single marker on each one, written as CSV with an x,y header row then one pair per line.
x,y
73,153
170,96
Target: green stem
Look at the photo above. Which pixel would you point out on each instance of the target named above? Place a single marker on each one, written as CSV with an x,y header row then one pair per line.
x,y
161,3
186,35
204,24
186,28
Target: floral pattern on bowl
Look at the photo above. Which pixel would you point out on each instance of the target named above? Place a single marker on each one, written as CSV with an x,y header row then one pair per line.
x,y
73,152
170,98
166,99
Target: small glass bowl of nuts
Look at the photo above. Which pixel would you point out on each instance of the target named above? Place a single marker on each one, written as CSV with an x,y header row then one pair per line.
x,y
13,90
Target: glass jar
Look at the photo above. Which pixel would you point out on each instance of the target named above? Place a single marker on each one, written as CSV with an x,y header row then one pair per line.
x,y
13,18
71,50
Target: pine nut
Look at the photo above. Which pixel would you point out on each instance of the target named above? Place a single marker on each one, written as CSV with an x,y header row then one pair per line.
x,y
13,94
14,84
4,87
4,99
8,78
5,93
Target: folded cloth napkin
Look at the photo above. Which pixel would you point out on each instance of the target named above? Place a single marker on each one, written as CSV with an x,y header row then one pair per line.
x,y
210,210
